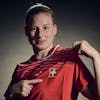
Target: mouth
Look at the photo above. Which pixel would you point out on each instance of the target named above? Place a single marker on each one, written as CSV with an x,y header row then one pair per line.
x,y
40,41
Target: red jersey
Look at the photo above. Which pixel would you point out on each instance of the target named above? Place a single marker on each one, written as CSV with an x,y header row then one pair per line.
x,y
64,76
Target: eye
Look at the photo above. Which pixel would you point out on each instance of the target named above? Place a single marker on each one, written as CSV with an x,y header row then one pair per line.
x,y
33,29
45,27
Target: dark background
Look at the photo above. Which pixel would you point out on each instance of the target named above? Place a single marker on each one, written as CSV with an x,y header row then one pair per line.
x,y
76,20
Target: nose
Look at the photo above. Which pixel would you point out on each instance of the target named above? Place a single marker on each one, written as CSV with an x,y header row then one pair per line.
x,y
40,33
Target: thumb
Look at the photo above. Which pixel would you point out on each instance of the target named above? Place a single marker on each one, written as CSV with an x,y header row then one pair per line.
x,y
34,81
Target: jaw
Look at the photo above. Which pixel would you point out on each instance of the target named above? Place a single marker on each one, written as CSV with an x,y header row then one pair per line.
x,y
42,47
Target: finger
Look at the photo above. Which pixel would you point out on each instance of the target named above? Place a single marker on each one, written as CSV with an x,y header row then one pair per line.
x,y
31,86
80,52
34,81
76,43
27,89
77,48
25,94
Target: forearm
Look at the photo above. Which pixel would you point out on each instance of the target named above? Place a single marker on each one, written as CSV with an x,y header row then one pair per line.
x,y
12,92
96,62
9,93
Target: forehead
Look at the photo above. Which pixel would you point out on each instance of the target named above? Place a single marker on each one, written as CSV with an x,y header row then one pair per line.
x,y
42,18
41,15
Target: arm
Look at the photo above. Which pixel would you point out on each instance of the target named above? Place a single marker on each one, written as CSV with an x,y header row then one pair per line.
x,y
96,62
84,48
21,88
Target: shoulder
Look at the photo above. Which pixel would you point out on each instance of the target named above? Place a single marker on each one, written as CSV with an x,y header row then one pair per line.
x,y
66,54
27,62
63,50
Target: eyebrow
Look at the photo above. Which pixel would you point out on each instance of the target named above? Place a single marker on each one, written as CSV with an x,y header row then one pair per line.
x,y
46,24
42,25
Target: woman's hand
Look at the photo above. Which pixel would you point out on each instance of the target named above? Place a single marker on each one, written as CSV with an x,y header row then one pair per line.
x,y
84,48
24,87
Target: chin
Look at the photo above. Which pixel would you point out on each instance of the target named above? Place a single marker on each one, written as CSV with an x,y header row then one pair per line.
x,y
42,47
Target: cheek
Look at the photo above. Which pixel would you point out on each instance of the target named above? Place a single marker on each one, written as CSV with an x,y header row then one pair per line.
x,y
49,34
32,34
50,37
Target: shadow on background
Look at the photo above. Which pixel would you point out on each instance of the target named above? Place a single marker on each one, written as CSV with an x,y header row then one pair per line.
x,y
76,21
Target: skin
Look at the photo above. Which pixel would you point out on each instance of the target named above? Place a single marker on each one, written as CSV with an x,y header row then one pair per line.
x,y
91,91
41,33
23,87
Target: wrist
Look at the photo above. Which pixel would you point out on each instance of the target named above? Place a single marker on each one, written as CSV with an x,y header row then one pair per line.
x,y
14,92
11,92
96,56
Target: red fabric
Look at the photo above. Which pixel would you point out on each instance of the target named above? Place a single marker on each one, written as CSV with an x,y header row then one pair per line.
x,y
70,76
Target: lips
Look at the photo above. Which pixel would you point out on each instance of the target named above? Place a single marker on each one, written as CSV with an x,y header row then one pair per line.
x,y
40,41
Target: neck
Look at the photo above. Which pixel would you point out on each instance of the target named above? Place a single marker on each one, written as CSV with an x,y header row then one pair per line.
x,y
43,53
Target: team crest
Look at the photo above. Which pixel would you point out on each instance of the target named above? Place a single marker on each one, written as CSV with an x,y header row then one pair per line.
x,y
53,72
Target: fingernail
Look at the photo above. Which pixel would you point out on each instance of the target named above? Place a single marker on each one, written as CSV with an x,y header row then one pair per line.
x,y
41,80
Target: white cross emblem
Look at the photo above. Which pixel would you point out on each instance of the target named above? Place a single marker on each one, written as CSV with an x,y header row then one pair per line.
x,y
53,72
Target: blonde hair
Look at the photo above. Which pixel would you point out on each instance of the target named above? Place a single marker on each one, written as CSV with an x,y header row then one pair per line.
x,y
36,9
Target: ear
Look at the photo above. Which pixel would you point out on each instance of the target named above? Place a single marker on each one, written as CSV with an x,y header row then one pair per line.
x,y
55,29
26,30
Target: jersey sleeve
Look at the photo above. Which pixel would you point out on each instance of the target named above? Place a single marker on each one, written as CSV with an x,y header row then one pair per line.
x,y
83,75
